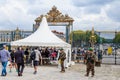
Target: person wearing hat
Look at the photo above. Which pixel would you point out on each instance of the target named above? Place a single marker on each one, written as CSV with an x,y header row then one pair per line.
x,y
90,59
62,57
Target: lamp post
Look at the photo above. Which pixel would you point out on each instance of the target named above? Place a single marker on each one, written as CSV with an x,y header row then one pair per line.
x,y
115,50
7,37
99,41
72,36
72,39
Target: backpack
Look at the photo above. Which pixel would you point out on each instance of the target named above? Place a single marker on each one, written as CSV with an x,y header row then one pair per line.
x,y
33,55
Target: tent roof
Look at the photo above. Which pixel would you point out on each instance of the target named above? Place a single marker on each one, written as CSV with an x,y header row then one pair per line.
x,y
41,37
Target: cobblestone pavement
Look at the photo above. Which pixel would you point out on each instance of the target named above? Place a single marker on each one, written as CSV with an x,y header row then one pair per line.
x,y
75,72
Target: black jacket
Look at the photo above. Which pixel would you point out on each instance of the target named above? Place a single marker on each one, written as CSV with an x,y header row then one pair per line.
x,y
19,57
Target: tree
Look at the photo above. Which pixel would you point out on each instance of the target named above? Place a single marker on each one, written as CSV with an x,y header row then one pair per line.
x,y
117,38
78,37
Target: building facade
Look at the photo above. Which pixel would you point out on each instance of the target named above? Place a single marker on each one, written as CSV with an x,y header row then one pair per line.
x,y
7,36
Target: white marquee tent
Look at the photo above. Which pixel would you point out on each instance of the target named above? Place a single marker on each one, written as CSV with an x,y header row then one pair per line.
x,y
44,37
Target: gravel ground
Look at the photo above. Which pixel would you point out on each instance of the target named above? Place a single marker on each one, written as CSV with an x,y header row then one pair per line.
x,y
75,72
105,72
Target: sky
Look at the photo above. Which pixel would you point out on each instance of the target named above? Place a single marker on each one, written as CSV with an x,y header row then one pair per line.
x,y
100,14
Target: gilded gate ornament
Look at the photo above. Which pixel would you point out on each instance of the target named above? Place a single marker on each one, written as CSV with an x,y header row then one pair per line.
x,y
55,15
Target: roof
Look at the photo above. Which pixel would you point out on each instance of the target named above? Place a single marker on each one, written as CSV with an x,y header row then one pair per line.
x,y
41,37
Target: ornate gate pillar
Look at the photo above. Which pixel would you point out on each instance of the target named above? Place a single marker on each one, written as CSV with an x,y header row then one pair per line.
x,y
67,33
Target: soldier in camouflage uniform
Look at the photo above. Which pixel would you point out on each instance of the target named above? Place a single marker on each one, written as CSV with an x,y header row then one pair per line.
x,y
90,59
62,57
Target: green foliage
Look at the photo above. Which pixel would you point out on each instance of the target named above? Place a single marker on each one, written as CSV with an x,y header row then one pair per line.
x,y
103,40
117,38
81,37
78,37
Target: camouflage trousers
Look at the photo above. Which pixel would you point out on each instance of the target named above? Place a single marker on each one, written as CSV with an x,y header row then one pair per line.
x,y
90,67
62,65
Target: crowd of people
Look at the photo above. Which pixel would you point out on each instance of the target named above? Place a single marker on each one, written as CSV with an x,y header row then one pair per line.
x,y
17,58
79,54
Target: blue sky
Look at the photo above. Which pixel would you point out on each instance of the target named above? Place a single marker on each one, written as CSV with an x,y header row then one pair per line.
x,y
102,14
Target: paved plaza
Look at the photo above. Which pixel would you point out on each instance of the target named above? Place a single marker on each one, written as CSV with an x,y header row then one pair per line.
x,y
76,72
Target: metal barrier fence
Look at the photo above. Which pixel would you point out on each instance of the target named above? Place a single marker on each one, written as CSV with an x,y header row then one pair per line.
x,y
106,59
111,59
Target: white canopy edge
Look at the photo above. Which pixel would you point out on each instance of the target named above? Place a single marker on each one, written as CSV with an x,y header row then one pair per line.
x,y
41,44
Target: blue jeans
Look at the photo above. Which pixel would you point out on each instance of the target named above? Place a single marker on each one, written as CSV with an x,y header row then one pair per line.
x,y
4,65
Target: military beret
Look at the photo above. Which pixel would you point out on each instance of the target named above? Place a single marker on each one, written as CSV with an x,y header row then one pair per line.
x,y
61,48
90,49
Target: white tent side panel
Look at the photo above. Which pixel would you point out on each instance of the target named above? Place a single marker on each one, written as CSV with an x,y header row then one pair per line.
x,y
68,57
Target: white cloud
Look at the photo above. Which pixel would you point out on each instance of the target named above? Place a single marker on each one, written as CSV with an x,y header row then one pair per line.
x,y
113,11
22,13
98,21
15,14
81,3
